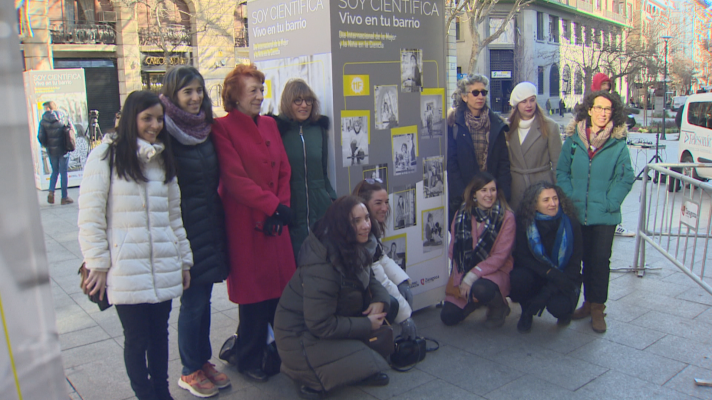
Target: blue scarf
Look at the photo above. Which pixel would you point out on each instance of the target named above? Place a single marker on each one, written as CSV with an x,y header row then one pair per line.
x,y
563,245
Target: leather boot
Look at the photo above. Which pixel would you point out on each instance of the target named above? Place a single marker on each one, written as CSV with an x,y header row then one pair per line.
x,y
598,321
497,311
583,311
50,198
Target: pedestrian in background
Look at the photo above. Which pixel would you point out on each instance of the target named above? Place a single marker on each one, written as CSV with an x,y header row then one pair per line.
x,y
534,142
52,137
254,172
189,117
305,136
132,237
594,170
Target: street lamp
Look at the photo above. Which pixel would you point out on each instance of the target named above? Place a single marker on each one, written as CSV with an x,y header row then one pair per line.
x,y
665,38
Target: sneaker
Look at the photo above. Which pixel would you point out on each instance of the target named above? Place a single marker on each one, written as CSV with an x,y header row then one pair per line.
x,y
219,379
67,200
621,231
198,385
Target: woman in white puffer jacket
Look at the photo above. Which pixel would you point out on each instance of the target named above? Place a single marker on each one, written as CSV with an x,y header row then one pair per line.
x,y
132,237
391,275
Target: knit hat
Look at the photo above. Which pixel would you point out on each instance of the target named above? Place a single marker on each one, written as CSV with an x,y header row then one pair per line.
x,y
598,80
521,92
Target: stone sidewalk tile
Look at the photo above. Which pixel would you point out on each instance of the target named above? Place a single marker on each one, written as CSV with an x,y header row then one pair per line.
x,y
683,350
400,382
615,385
533,388
684,382
665,304
437,389
683,327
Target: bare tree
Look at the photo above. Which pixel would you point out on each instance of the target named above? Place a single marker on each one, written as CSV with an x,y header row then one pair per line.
x,y
682,70
474,13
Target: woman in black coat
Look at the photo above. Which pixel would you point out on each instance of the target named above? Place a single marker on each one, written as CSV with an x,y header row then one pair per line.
x,y
547,256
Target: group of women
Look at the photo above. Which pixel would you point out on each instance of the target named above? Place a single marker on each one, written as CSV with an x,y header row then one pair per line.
x,y
176,201
567,200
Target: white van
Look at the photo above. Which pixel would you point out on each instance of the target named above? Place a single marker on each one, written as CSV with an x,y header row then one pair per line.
x,y
696,134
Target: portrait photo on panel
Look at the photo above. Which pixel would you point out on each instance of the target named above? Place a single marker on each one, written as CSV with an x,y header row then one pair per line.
x,y
354,140
395,248
404,211
386,106
432,123
433,229
376,173
433,177
411,70
404,149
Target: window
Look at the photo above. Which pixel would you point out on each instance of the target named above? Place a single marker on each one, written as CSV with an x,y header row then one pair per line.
x,y
553,29
540,26
578,81
604,39
577,33
541,80
554,81
566,79
565,31
457,29
596,37
587,36
700,114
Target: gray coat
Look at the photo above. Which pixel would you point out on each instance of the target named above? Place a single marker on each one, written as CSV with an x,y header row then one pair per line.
x,y
318,325
535,159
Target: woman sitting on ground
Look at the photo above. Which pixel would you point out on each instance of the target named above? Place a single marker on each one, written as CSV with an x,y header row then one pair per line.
x,y
481,249
547,256
332,304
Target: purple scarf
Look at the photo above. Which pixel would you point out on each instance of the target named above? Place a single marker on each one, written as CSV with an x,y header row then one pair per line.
x,y
188,129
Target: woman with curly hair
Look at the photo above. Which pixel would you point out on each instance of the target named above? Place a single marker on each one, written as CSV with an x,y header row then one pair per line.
x,y
594,170
547,255
481,251
332,304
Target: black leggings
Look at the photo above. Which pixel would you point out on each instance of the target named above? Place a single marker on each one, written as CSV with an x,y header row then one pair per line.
x,y
525,285
252,333
483,290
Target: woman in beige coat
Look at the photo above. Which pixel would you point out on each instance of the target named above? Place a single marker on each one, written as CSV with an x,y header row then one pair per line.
x,y
534,142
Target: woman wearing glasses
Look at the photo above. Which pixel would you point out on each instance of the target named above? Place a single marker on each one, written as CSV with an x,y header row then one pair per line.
x,y
475,142
304,134
594,171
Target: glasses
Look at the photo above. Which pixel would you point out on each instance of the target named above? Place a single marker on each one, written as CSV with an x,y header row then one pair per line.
x,y
600,109
300,100
477,92
372,181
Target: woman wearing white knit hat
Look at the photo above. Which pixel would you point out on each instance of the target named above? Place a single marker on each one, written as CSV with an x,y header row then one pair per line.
x,y
534,142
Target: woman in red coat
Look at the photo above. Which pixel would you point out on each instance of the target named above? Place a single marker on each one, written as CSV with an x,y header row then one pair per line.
x,y
254,188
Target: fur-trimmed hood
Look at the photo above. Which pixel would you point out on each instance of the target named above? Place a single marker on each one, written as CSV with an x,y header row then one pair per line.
x,y
619,132
284,123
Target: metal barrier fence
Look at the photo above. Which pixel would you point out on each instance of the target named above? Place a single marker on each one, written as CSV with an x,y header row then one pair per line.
x,y
675,219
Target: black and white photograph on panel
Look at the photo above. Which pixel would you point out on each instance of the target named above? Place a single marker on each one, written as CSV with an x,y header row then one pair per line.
x,y
395,247
433,229
433,177
354,139
404,212
386,106
376,173
405,152
432,123
411,68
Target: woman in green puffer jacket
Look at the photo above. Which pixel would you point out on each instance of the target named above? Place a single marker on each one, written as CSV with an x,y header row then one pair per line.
x,y
305,136
594,171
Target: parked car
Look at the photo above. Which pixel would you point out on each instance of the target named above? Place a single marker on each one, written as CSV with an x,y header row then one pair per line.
x,y
695,144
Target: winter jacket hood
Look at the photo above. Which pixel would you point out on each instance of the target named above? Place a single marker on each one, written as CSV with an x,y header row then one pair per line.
x,y
598,80
618,132
51,132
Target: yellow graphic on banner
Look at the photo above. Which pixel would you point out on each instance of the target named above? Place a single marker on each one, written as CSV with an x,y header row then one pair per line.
x,y
356,85
268,89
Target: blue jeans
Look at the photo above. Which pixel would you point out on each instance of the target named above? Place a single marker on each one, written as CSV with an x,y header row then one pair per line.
x,y
59,167
194,328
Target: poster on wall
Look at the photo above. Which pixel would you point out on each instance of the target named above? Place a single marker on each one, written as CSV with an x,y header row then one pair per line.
x,y
354,137
433,176
66,89
432,114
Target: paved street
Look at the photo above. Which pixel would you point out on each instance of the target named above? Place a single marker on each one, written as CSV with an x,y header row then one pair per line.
x,y
659,338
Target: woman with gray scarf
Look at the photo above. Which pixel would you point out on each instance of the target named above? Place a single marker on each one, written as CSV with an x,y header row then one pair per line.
x,y
475,142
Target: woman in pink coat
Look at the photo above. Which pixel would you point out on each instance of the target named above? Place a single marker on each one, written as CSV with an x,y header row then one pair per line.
x,y
483,233
254,173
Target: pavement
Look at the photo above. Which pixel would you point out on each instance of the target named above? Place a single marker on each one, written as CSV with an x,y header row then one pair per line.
x,y
659,338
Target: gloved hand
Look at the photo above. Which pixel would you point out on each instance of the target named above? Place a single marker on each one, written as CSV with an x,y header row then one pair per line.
x,y
408,329
537,305
562,282
284,213
404,289
272,226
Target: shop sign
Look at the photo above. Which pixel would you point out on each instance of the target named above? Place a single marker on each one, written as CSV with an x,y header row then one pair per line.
x,y
501,74
157,61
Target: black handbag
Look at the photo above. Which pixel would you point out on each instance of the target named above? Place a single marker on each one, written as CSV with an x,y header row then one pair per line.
x,y
271,362
94,298
381,340
409,352
228,351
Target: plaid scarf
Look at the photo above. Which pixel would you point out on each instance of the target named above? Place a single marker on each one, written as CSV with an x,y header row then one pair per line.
x,y
463,252
563,244
597,139
479,128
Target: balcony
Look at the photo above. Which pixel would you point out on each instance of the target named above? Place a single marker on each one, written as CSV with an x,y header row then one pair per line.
x,y
584,6
69,32
241,38
173,35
